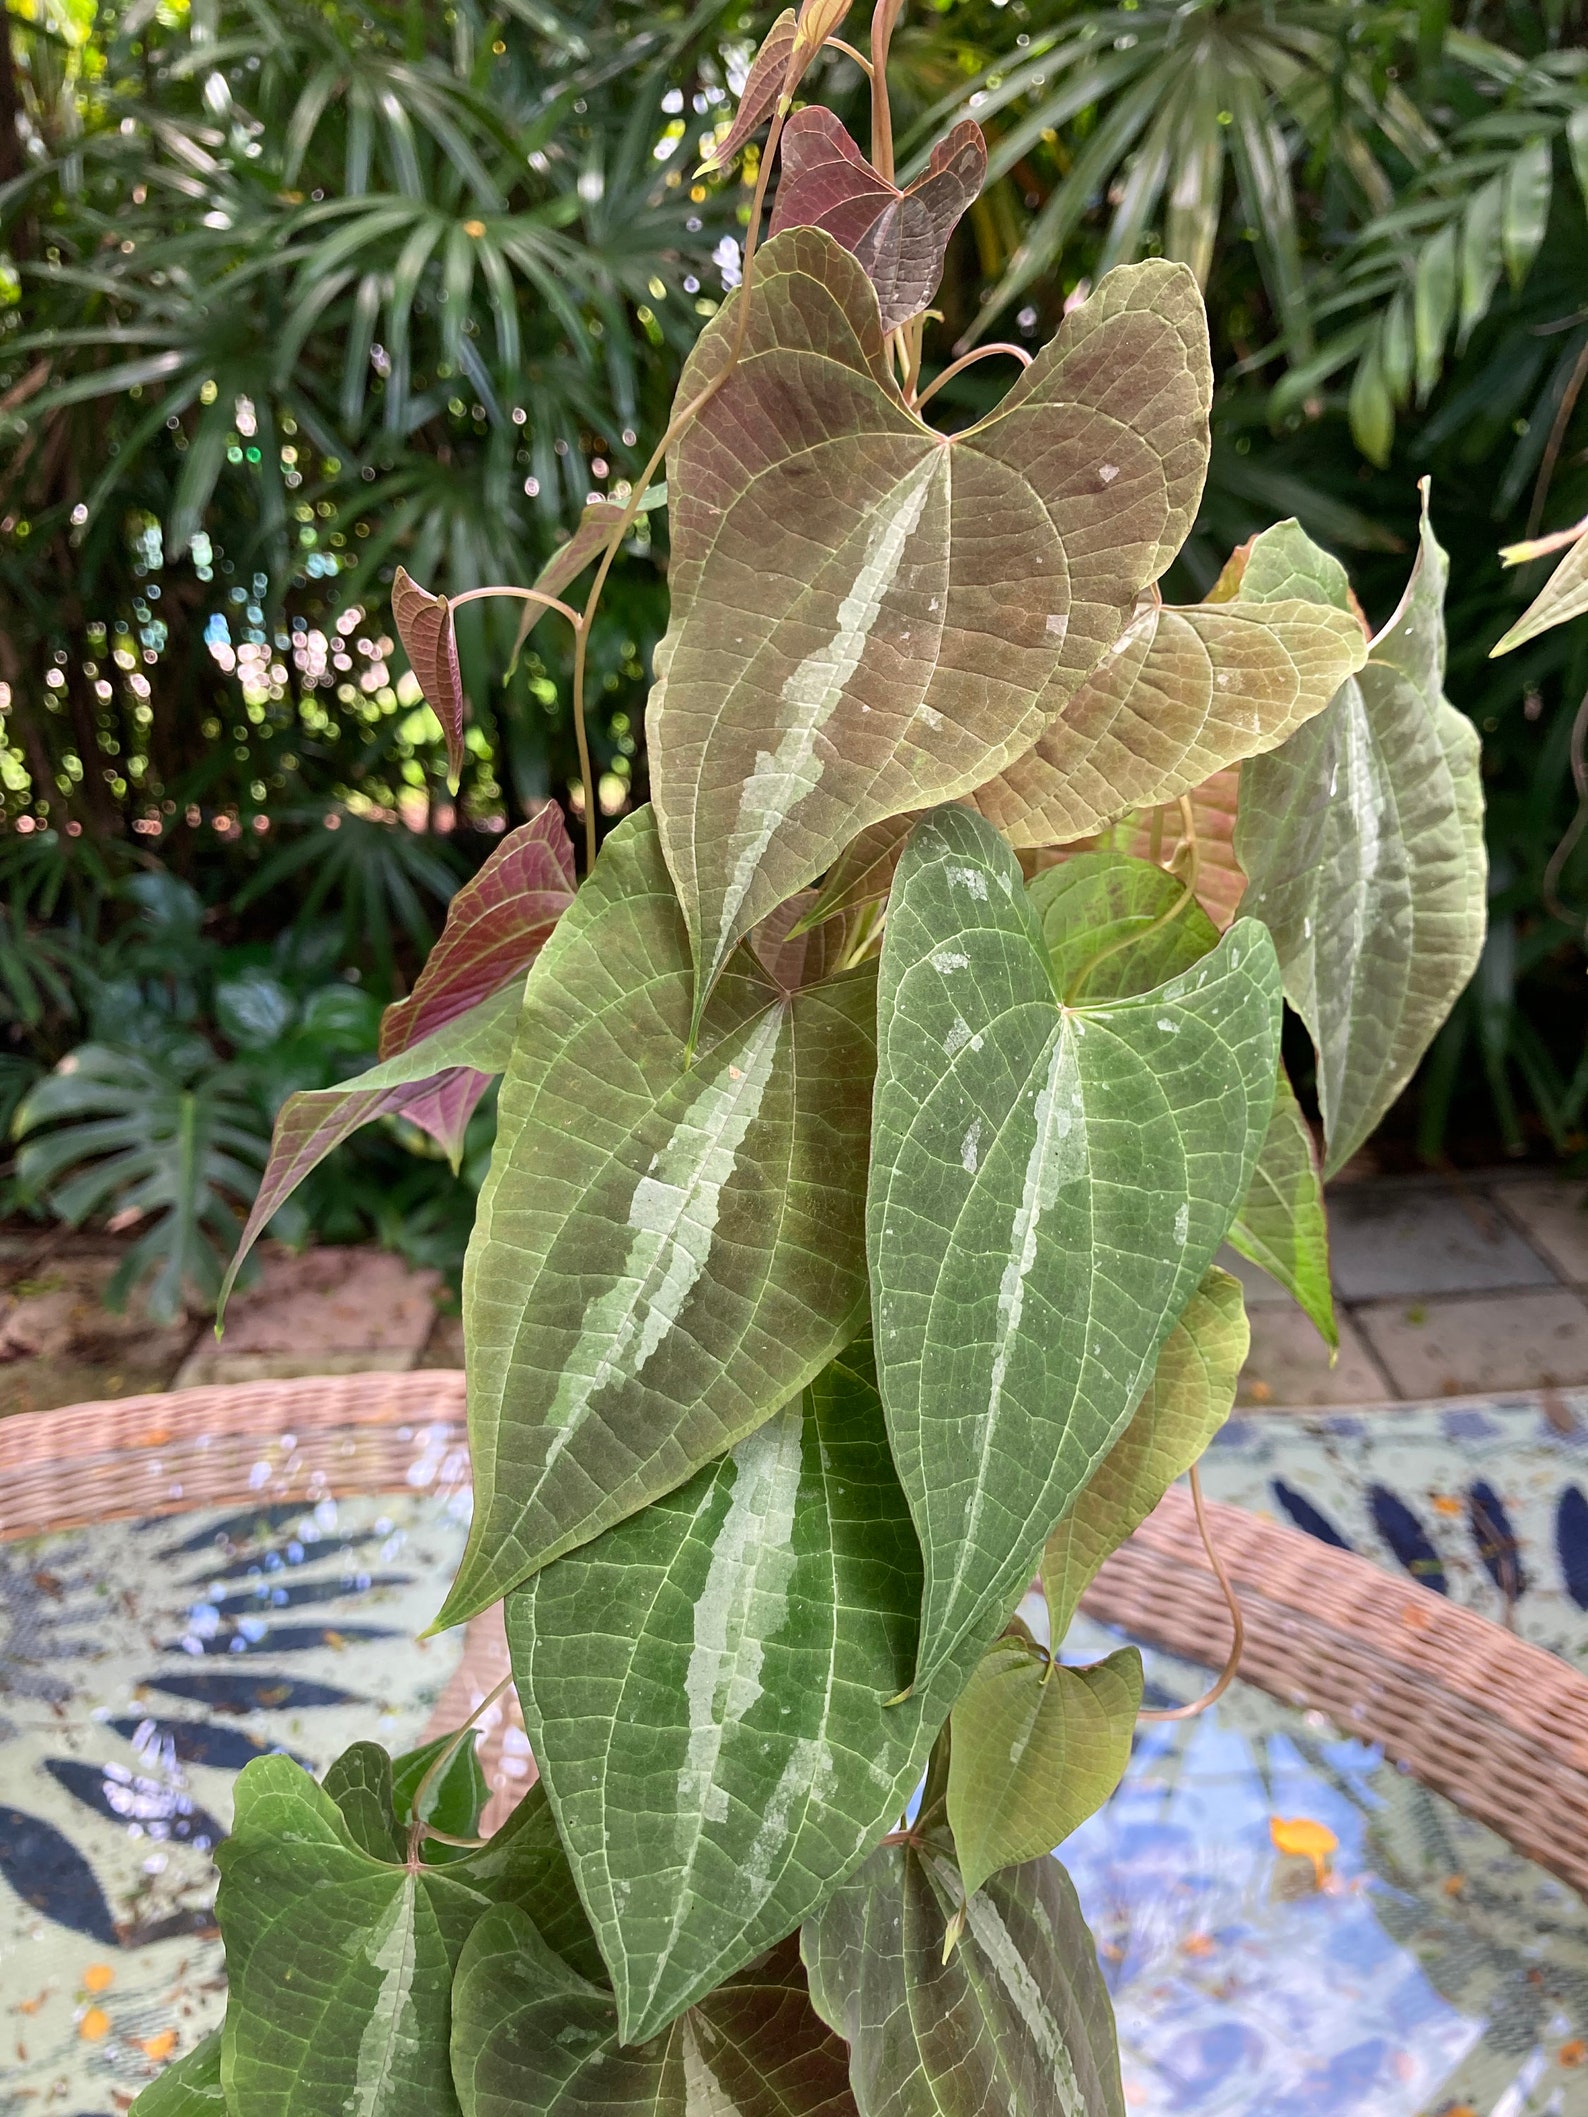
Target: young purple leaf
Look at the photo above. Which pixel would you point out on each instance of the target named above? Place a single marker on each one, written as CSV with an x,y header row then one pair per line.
x,y
566,564
898,236
424,625
763,85
433,1082
496,926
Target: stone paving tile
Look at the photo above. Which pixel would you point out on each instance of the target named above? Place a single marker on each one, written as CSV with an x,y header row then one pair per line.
x,y
328,1311
1415,1239
1447,1348
1260,1291
1288,1366
1552,1217
59,1344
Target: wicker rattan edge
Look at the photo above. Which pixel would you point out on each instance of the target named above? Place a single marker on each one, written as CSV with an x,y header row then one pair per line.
x,y
1497,1724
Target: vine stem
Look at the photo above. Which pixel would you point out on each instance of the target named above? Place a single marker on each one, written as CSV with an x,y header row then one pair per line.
x,y
524,595
981,352
675,426
419,1828
1237,1623
883,18
849,52
1164,918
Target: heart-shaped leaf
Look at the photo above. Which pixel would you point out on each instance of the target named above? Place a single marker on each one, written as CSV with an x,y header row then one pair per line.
x,y
1282,1225
1563,596
530,2038
1182,693
1037,1747
1363,838
424,625
1048,1185
340,1951
496,926
339,1963
189,2088
899,237
705,1690
1186,1403
442,1076
908,610
1115,926
1017,2021
763,84
664,1251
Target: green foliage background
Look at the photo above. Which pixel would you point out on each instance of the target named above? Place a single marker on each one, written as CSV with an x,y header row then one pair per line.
x,y
290,293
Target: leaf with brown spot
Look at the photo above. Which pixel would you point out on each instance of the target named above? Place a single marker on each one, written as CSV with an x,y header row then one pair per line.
x,y
898,236
424,625
869,616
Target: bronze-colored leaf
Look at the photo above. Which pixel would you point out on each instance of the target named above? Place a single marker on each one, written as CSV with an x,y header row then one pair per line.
x,y
869,616
1184,693
1220,880
898,236
763,85
424,625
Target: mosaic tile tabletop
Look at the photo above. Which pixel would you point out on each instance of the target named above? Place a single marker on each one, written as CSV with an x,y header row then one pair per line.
x,y
1416,1968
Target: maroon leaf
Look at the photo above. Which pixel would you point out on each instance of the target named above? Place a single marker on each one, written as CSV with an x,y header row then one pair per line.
x,y
898,236
436,1082
496,926
763,86
424,625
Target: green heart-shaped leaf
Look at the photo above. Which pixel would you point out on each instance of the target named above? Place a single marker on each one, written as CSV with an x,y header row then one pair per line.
x,y
530,2038
1187,1401
1048,1185
1118,925
867,615
705,1690
664,1252
1017,2021
1037,1747
1363,839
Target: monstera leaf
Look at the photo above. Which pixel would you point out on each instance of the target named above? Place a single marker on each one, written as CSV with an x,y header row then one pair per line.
x,y
868,616
1036,1748
705,1689
899,237
1048,1185
664,1252
1363,838
1186,1403
1183,693
1018,2019
531,2038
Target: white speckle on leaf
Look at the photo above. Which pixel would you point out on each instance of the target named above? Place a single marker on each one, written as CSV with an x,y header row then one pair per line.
x,y
958,1037
969,1148
1182,1225
1108,472
947,959
970,878
930,715
1167,1026
1058,623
